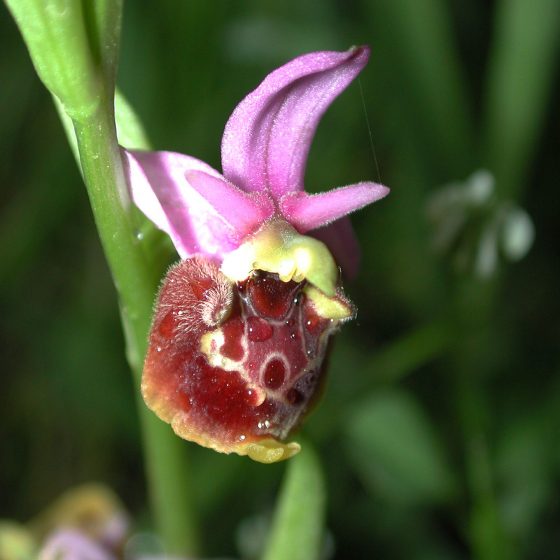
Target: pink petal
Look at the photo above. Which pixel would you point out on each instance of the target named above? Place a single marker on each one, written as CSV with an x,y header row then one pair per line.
x,y
244,212
311,211
70,544
267,138
160,188
340,239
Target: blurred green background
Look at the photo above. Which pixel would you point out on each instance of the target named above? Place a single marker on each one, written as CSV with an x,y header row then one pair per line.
x,y
439,430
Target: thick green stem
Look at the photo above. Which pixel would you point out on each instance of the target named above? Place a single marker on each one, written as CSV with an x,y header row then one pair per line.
x,y
74,45
136,282
170,490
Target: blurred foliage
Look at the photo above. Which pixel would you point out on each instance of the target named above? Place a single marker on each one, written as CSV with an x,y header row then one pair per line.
x,y
438,431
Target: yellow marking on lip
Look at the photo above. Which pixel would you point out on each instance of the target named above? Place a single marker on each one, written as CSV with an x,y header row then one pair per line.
x,y
278,248
329,307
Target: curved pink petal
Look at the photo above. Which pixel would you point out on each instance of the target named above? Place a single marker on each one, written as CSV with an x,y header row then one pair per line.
x,y
267,138
160,188
244,212
311,211
339,237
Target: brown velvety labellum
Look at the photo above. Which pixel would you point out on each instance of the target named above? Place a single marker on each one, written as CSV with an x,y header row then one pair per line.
x,y
230,364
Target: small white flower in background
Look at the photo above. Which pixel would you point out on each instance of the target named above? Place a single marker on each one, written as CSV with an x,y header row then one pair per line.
x,y
474,227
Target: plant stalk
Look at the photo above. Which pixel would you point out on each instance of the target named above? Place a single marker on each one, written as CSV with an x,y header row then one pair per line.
x,y
136,282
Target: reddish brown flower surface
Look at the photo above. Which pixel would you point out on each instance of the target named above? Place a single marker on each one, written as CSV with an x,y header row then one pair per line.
x,y
232,366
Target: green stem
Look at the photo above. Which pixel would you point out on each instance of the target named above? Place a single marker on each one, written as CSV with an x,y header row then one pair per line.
x,y
136,282
170,491
487,535
74,45
298,525
470,361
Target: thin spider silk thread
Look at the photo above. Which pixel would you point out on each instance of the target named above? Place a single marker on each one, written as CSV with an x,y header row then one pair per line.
x,y
372,146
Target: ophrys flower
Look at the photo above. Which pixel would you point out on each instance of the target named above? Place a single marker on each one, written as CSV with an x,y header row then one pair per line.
x,y
243,321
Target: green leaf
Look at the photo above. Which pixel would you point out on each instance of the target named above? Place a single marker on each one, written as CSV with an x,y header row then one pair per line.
x,y
520,72
130,131
297,529
525,467
395,450
103,23
53,30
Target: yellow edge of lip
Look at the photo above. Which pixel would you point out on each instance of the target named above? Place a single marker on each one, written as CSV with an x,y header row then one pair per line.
x,y
271,451
328,307
265,451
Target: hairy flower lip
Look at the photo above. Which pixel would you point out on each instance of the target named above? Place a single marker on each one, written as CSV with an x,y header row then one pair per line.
x,y
214,382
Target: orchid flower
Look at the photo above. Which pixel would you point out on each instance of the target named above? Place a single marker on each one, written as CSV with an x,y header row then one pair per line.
x,y
242,323
72,544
